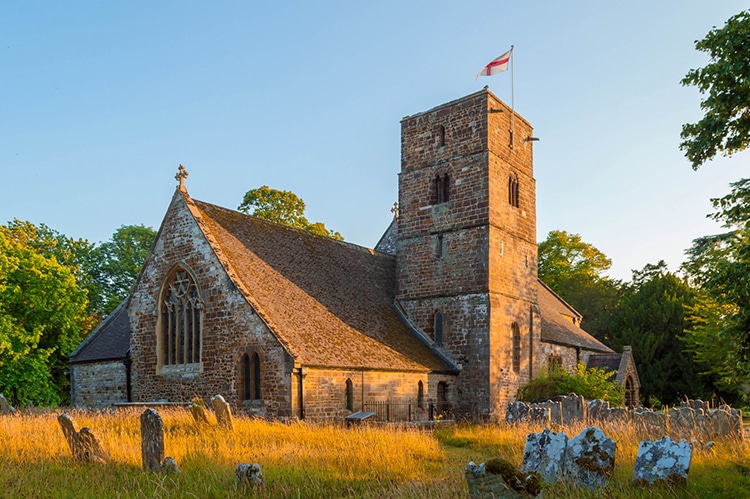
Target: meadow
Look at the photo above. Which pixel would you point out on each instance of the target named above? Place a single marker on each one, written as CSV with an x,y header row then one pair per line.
x,y
302,460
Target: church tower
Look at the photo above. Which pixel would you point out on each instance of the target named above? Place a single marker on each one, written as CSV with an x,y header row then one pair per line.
x,y
466,247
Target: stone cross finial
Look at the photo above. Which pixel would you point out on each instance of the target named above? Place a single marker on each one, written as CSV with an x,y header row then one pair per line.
x,y
182,174
394,210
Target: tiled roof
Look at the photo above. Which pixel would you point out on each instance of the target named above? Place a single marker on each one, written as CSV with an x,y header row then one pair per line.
x,y
558,329
606,361
330,303
109,341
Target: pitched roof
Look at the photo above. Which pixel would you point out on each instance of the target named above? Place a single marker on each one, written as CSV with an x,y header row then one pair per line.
x,y
109,341
557,329
330,303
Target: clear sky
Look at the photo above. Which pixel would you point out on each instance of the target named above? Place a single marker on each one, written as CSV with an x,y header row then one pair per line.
x,y
101,101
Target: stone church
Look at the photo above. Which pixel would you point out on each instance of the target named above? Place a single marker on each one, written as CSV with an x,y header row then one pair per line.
x,y
446,312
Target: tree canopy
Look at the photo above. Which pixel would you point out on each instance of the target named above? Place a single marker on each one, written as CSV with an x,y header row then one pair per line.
x,y
43,317
720,266
725,126
283,207
574,269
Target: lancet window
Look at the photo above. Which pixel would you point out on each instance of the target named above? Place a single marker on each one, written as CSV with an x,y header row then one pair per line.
x,y
182,310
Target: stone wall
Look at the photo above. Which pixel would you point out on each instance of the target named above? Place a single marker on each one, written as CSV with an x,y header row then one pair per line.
x,y
98,384
230,326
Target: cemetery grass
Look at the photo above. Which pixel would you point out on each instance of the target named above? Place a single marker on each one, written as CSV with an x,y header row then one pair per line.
x,y
310,460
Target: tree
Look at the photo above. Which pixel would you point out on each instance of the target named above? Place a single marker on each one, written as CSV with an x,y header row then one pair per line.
x,y
118,263
283,207
651,318
574,270
43,318
725,127
720,265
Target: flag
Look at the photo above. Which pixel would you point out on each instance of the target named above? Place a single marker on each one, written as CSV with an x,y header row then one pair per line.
x,y
496,66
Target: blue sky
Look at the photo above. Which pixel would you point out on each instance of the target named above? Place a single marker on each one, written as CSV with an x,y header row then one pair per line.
x,y
101,101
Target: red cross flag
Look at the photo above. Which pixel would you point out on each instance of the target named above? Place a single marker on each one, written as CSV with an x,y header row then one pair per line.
x,y
496,66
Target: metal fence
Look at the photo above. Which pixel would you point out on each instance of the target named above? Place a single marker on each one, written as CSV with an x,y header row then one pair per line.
x,y
392,411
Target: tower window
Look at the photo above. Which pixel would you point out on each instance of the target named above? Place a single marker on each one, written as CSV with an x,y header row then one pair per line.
x,y
439,328
181,311
441,188
513,191
439,246
440,135
516,347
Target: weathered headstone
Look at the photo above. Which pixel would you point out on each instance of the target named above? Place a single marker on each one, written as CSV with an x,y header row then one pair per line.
x,y
521,412
198,411
572,408
544,454
249,474
498,478
726,421
223,412
5,407
83,444
152,444
662,460
590,458
595,409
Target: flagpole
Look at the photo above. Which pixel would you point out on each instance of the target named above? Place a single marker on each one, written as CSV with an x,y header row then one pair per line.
x,y
512,96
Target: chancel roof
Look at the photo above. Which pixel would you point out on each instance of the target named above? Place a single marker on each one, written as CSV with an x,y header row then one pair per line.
x,y
330,303
556,328
109,341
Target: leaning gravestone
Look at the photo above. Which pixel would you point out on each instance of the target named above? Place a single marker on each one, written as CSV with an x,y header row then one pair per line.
x,y
544,453
248,474
223,412
662,460
83,444
152,443
198,411
5,407
590,458
498,478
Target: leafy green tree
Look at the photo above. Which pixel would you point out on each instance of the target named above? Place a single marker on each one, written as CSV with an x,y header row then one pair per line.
x,y
651,318
575,270
590,383
720,265
725,127
283,207
118,263
43,317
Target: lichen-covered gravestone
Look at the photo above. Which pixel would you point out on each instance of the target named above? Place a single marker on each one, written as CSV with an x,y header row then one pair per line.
x,y
590,458
248,474
497,478
5,407
198,411
545,454
223,412
662,460
83,444
152,444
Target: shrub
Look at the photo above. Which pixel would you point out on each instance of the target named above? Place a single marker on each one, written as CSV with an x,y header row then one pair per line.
x,y
590,383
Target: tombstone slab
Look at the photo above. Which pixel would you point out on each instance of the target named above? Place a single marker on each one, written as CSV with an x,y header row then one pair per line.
x,y
544,454
198,411
5,407
223,412
83,444
498,478
662,460
590,458
152,440
248,474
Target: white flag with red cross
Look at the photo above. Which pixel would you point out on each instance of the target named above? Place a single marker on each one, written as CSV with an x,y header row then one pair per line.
x,y
496,66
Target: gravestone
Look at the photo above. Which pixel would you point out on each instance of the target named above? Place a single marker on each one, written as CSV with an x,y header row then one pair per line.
x,y
726,421
596,408
572,408
198,411
5,407
83,444
662,460
649,422
498,478
223,412
248,474
152,444
544,454
590,458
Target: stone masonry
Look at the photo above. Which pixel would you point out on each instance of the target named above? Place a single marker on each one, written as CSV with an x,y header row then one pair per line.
x,y
472,257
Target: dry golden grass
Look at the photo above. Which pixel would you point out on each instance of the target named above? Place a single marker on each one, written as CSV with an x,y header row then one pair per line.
x,y
307,460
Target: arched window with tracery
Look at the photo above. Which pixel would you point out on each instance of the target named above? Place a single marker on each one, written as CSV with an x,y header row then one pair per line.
x,y
181,326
